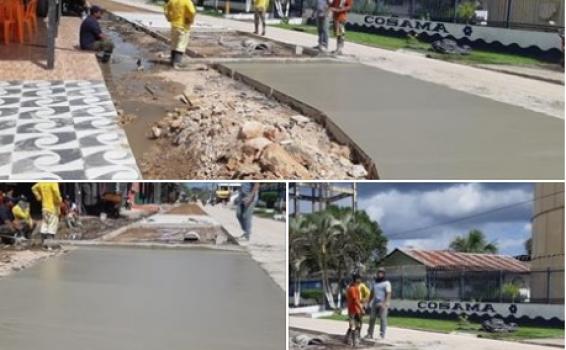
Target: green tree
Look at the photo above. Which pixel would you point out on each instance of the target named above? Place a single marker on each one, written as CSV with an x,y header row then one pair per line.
x,y
466,11
510,291
474,242
334,242
298,242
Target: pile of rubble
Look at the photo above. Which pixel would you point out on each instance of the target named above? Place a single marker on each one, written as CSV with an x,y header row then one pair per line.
x,y
233,133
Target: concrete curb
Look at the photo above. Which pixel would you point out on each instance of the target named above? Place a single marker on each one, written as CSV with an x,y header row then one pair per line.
x,y
317,115
523,75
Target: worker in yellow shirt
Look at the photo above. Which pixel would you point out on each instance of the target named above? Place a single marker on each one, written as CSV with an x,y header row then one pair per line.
x,y
22,216
181,14
260,7
48,194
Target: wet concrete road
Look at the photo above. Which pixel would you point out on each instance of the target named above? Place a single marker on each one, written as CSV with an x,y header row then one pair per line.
x,y
132,299
413,129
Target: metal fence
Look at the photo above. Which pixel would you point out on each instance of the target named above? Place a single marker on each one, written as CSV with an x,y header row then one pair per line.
x,y
420,283
526,14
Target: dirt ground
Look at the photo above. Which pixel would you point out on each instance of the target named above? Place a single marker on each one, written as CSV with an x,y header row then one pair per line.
x,y
189,124
16,260
187,209
208,235
235,45
306,341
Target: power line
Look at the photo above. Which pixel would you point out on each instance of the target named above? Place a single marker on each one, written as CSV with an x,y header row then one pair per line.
x,y
464,218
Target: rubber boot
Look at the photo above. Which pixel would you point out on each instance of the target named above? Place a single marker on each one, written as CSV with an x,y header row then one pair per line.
x,y
178,61
347,336
172,58
339,45
106,57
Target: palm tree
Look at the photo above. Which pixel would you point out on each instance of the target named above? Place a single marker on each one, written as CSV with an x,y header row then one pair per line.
x,y
325,248
298,246
474,242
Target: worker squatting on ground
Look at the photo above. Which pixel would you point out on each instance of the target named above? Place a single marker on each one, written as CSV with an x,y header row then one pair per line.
x,y
260,8
340,9
48,194
181,15
245,202
22,216
13,227
355,311
380,298
91,36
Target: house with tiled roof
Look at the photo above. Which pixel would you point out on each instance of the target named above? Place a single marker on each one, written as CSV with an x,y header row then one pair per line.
x,y
450,275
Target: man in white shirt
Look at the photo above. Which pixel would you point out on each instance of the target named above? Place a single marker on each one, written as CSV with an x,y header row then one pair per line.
x,y
380,299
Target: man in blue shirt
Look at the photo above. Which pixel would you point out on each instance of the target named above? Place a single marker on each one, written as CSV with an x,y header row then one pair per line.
x,y
322,23
91,36
246,201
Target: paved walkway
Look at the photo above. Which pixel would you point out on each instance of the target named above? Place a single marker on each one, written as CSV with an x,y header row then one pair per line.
x,y
532,94
267,245
61,123
421,340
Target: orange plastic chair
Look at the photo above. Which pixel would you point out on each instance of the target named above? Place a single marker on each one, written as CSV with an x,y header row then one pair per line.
x,y
30,17
6,21
12,21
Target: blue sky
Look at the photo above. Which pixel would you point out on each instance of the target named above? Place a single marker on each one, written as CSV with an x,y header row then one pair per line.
x,y
403,207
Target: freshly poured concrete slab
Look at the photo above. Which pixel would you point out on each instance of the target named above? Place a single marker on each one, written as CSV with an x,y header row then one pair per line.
x,y
137,299
413,129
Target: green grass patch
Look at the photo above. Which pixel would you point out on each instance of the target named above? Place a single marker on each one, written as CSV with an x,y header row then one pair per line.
x,y
448,326
396,43
211,12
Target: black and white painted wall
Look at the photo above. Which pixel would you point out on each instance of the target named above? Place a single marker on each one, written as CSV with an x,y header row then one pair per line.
x,y
467,34
521,313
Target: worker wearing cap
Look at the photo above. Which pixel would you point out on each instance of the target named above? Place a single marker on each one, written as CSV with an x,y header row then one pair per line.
x,y
260,7
48,194
181,15
380,299
91,36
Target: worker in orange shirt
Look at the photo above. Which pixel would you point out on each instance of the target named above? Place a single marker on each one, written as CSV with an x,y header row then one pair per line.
x,y
339,9
355,310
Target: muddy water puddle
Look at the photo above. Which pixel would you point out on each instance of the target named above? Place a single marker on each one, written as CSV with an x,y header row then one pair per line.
x,y
141,98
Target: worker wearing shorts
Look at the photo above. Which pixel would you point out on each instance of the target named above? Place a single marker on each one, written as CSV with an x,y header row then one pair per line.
x,y
339,9
48,194
260,8
355,311
181,14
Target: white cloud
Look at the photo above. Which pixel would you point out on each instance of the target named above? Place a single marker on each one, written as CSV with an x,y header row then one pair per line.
x,y
398,212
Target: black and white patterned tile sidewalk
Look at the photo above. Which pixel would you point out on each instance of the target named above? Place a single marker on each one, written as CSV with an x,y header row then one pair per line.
x,y
62,130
